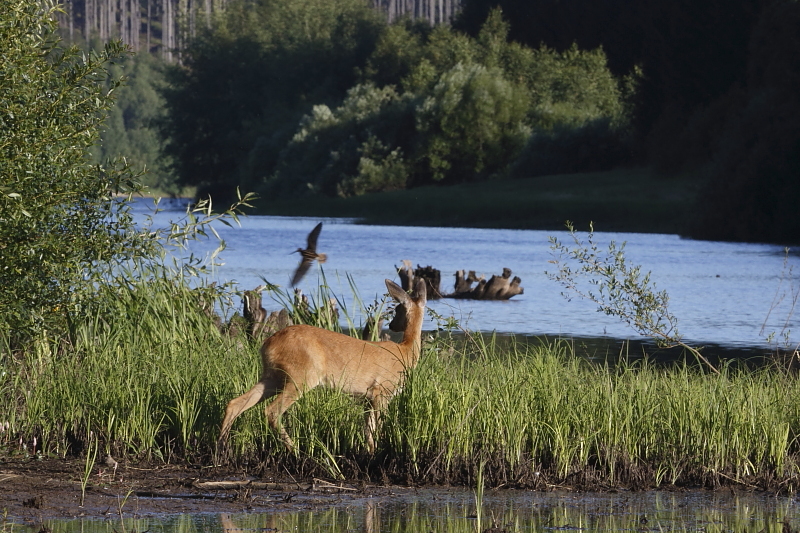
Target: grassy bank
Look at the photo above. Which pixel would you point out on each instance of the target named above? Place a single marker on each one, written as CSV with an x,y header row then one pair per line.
x,y
149,377
634,200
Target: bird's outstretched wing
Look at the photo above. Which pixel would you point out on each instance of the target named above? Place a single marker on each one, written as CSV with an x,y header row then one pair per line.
x,y
302,268
312,238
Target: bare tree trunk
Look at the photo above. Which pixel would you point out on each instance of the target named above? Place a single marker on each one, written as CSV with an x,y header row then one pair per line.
x,y
124,35
88,19
108,16
149,22
166,30
101,18
70,18
136,23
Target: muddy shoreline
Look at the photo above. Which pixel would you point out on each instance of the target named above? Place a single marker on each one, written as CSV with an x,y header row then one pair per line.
x,y
34,490
37,494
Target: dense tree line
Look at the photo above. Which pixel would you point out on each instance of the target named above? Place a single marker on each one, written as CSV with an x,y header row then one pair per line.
x,y
310,97
325,97
717,97
164,27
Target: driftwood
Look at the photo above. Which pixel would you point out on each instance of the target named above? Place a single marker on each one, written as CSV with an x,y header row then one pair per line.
x,y
315,485
500,287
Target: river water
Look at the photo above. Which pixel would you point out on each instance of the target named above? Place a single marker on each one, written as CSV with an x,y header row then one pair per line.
x,y
731,294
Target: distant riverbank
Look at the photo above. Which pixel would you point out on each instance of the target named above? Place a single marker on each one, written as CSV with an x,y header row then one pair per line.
x,y
629,200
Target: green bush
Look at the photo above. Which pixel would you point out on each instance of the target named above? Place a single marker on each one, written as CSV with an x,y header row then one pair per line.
x,y
351,149
60,220
594,146
572,88
131,129
470,125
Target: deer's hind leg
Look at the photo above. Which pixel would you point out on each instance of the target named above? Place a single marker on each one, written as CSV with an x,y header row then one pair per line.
x,y
266,387
289,392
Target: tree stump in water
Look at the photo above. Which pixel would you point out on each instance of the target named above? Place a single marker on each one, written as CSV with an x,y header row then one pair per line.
x,y
430,275
500,287
259,324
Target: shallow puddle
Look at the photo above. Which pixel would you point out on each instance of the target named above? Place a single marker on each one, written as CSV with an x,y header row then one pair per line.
x,y
454,510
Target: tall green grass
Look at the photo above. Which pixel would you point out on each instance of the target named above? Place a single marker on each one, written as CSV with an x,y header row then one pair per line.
x,y
149,375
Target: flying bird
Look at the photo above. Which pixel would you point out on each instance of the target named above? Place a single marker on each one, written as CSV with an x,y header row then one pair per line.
x,y
309,255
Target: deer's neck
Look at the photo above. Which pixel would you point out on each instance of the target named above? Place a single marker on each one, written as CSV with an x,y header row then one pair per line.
x,y
412,341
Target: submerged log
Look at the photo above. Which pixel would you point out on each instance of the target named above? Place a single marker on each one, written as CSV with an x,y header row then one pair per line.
x,y
326,314
406,273
500,288
433,279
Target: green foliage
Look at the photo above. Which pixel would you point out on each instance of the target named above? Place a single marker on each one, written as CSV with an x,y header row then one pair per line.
x,y
344,107
351,149
66,227
572,88
597,145
241,90
60,222
621,290
398,51
131,128
471,124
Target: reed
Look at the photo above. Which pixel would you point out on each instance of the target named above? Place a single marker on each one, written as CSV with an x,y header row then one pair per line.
x,y
149,375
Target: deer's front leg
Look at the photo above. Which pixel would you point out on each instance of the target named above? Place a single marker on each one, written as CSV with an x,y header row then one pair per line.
x,y
377,400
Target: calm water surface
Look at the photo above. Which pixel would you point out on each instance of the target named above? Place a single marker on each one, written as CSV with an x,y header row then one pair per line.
x,y
454,510
732,294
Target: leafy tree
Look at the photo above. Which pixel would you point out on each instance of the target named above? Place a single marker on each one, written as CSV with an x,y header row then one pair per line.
x,y
350,150
59,218
131,129
398,50
66,227
236,100
754,184
471,124
573,87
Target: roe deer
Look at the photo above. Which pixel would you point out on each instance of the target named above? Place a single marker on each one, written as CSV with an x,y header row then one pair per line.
x,y
299,358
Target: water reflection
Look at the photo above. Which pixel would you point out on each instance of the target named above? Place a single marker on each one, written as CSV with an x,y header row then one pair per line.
x,y
453,510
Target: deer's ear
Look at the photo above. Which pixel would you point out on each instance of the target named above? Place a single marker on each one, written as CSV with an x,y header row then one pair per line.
x,y
397,292
420,294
